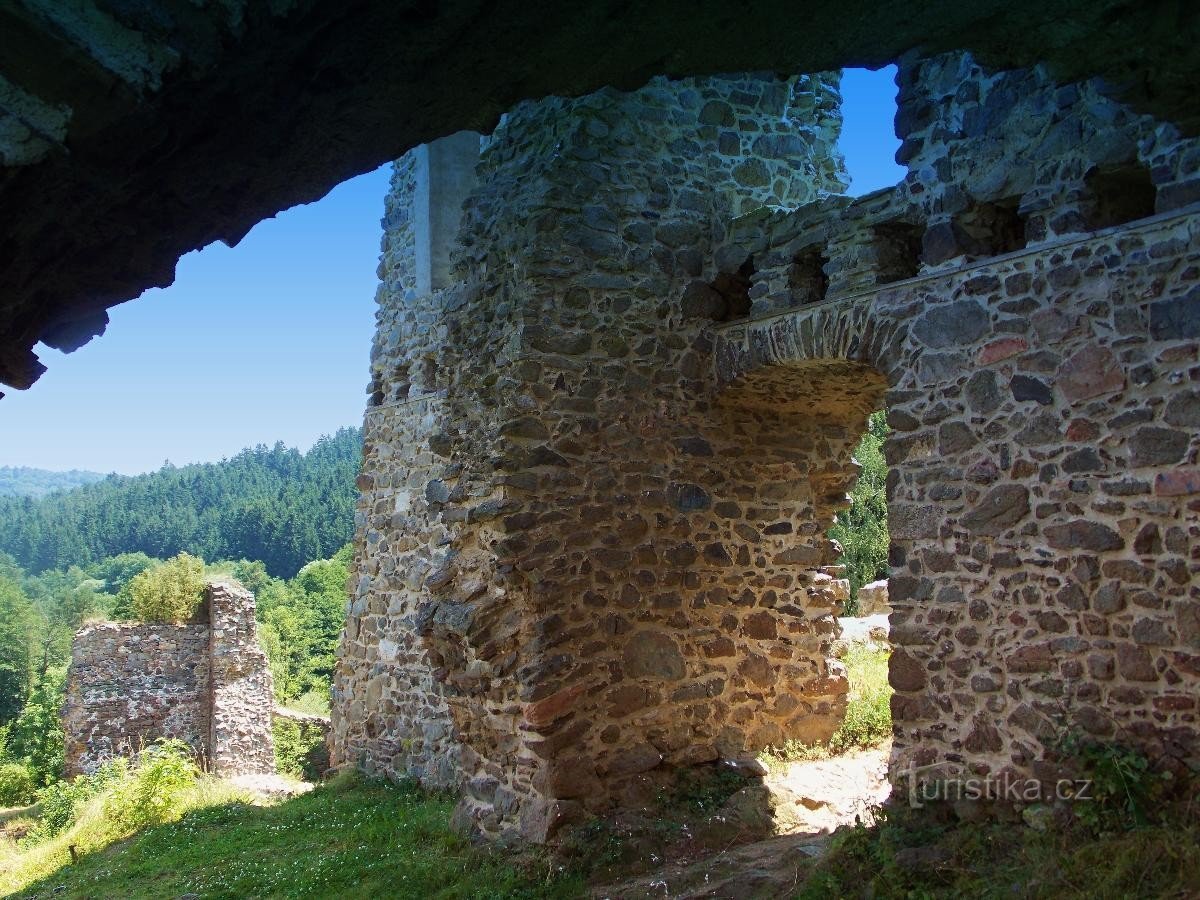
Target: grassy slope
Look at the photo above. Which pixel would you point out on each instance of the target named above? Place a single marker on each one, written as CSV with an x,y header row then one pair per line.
x,y
351,838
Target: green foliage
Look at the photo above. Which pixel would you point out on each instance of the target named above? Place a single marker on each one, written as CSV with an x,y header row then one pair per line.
x,y
315,703
299,625
272,504
922,854
17,622
868,711
1124,790
35,737
155,791
62,801
862,529
702,791
16,785
300,749
117,574
171,592
350,838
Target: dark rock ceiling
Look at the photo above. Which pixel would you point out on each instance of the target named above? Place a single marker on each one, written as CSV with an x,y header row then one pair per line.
x,y
133,131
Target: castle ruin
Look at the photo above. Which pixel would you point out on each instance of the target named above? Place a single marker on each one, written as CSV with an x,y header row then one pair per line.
x,y
206,683
626,344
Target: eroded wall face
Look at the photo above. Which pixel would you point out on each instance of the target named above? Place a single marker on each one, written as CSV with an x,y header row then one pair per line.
x,y
556,520
1043,489
591,539
208,685
130,685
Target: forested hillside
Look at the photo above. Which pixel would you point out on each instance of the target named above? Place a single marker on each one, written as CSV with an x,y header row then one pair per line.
x,y
276,505
21,481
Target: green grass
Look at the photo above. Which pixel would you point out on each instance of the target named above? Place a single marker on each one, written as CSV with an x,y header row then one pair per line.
x,y
868,719
908,854
353,837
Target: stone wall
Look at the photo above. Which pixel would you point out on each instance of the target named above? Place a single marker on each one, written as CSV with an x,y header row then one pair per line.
x,y
131,684
1041,365
205,684
600,467
544,608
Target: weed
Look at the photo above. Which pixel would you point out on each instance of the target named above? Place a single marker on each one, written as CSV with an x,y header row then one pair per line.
x,y
1124,788
868,718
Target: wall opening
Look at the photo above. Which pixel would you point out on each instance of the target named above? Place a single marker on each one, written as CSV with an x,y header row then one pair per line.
x,y
734,291
799,428
1115,196
807,277
897,251
992,229
861,527
868,141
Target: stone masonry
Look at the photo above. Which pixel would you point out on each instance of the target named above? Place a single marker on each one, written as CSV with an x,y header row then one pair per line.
x,y
604,448
207,684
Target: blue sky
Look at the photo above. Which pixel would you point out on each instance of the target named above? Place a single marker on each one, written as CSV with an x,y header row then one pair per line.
x,y
270,340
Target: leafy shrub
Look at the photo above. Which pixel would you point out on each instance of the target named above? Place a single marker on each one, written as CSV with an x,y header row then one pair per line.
x,y
62,801
1124,787
153,793
35,737
300,749
171,592
16,785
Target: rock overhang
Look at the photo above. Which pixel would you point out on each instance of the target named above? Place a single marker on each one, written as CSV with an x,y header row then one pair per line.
x,y
132,133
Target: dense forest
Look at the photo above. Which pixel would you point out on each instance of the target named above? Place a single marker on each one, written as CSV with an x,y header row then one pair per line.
x,y
275,505
21,481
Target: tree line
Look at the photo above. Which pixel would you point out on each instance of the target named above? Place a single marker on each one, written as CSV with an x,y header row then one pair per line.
x,y
275,505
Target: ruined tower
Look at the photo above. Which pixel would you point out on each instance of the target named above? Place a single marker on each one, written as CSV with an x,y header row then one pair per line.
x,y
625,347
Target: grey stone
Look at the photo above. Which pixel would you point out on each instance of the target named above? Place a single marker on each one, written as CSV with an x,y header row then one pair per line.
x,y
1081,534
998,510
651,654
1152,445
951,324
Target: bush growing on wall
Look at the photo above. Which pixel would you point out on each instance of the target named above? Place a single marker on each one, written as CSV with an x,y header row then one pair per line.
x,y
171,592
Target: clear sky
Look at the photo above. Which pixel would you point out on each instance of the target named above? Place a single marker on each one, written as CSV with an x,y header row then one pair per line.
x,y
270,340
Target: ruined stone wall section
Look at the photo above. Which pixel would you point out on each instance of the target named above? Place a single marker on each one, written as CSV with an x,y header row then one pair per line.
x,y
1041,487
591,539
997,162
973,137
546,608
205,684
1042,494
129,685
241,741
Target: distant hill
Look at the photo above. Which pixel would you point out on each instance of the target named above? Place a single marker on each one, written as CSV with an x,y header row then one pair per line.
x,y
20,481
273,504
